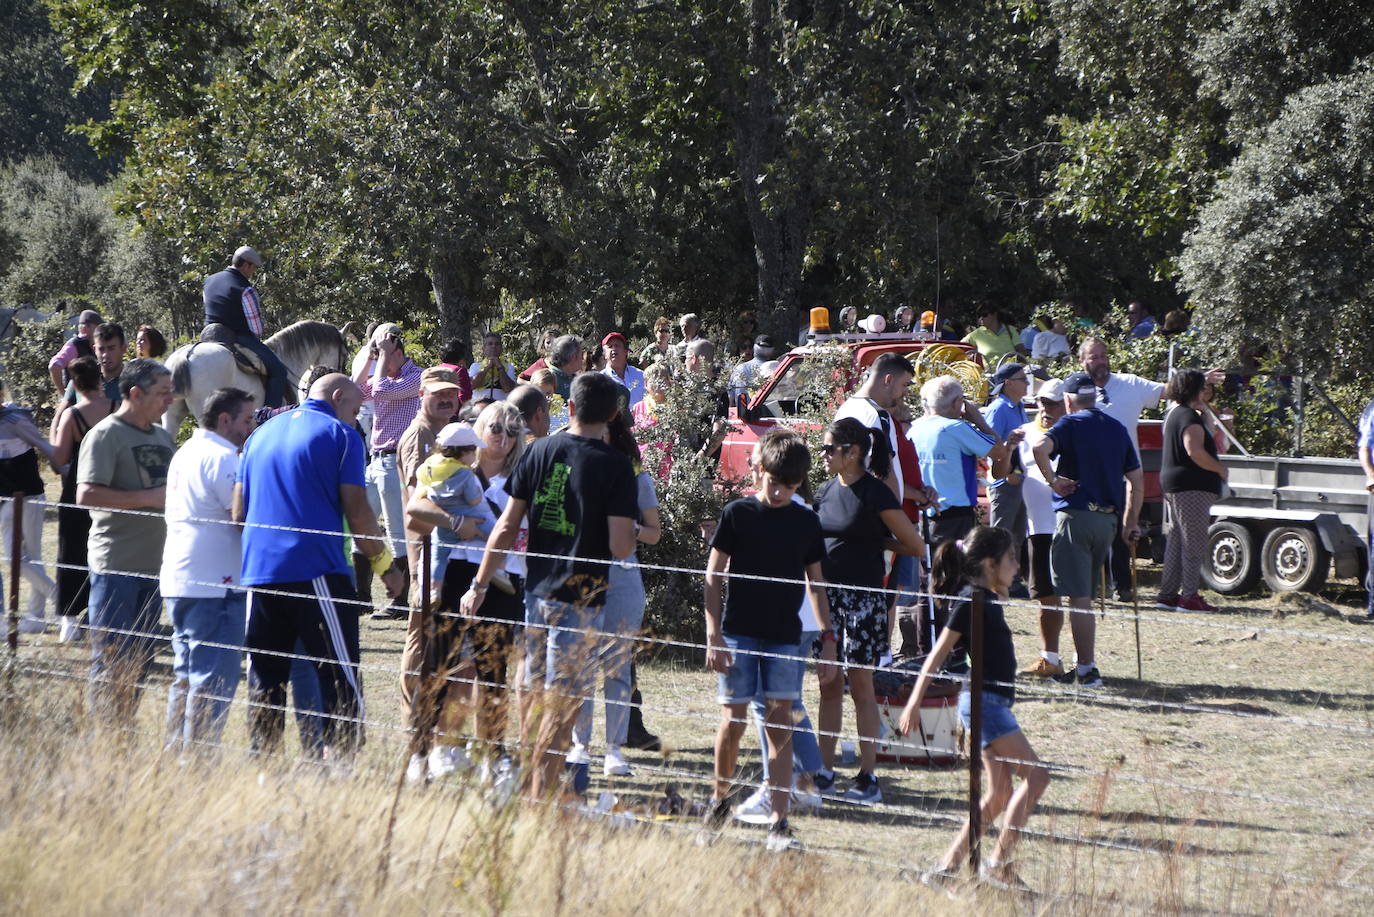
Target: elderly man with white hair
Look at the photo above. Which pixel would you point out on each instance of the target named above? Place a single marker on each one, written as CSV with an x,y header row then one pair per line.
x,y
949,441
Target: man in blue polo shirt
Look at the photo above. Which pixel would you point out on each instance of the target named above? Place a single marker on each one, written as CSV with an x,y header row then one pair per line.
x,y
949,441
300,489
1006,414
1098,485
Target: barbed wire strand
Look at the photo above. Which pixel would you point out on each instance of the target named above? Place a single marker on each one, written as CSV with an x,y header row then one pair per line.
x,y
1176,619
1095,696
907,745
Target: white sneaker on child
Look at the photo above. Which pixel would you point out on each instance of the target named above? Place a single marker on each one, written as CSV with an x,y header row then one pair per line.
x,y
578,755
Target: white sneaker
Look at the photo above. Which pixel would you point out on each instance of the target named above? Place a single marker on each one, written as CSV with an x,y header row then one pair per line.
x,y
804,801
578,755
757,809
417,769
69,630
445,760
32,625
615,764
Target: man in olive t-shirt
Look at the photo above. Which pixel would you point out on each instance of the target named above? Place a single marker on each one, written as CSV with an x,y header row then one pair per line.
x,y
124,461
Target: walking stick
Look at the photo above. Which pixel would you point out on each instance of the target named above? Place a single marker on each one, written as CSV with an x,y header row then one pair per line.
x,y
1135,603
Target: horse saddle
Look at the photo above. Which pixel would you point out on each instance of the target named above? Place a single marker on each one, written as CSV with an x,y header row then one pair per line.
x,y
225,336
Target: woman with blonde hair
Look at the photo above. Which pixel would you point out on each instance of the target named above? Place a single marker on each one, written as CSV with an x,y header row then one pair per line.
x,y
476,652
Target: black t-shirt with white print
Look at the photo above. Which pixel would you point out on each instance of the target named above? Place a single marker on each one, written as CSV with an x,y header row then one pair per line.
x,y
572,485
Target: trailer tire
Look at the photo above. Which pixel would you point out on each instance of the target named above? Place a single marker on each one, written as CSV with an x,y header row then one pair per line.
x,y
1293,559
1232,565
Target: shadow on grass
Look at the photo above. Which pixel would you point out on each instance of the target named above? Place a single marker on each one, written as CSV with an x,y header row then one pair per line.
x,y
1244,699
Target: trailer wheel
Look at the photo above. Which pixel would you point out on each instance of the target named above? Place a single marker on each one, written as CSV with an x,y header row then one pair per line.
x,y
1232,566
1294,560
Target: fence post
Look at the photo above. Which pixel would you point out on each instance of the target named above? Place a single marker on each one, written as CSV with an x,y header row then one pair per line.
x,y
975,731
16,549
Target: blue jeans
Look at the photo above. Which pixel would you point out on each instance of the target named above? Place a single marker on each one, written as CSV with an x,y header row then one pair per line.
x,y
997,720
274,394
906,577
623,613
771,676
119,661
204,678
806,753
558,652
382,474
1369,568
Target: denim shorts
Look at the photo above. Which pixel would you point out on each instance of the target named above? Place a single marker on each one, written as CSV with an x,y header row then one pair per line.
x,y
776,676
998,720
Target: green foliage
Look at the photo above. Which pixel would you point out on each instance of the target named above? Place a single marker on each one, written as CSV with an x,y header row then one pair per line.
x,y
691,494
26,375
38,103
1283,253
62,248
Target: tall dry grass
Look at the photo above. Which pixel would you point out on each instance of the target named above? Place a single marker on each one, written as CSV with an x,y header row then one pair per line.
x,y
98,821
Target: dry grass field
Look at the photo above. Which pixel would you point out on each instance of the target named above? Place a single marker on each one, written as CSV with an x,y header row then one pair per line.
x,y
1234,777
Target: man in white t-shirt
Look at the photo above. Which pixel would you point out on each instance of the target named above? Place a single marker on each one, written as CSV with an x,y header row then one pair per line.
x,y
491,378
199,577
885,385
1121,396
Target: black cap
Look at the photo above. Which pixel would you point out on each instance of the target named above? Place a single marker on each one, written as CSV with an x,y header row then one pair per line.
x,y
1004,374
1079,382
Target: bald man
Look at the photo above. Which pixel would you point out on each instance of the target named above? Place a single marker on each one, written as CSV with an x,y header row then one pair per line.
x,y
300,489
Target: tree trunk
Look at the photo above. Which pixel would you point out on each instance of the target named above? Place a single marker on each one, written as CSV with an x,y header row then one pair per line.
x,y
779,204
454,295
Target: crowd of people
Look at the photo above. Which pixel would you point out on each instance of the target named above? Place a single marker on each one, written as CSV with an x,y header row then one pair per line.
x,y
263,533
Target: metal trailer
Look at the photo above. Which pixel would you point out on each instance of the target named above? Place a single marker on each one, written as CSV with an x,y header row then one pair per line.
x,y
1287,520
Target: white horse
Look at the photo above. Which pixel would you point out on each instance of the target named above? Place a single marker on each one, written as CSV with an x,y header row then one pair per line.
x,y
201,368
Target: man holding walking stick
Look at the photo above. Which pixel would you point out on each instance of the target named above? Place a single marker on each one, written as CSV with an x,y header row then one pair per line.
x,y
1097,486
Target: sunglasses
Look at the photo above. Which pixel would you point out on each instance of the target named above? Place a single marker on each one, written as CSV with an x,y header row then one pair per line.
x,y
509,431
829,448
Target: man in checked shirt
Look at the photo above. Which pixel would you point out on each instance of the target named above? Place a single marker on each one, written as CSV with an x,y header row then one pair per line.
x,y
392,381
230,300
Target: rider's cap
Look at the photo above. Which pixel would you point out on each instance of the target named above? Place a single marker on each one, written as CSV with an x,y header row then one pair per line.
x,y
437,378
247,253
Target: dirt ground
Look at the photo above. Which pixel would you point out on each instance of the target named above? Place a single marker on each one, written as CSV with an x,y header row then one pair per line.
x,y
1234,775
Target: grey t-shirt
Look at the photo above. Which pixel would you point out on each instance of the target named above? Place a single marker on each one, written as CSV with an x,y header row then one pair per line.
x,y
117,454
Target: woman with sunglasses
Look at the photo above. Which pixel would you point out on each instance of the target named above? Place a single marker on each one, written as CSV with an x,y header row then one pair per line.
x,y
860,518
478,650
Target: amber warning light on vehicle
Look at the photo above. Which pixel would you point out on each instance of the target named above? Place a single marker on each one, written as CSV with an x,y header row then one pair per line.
x,y
820,320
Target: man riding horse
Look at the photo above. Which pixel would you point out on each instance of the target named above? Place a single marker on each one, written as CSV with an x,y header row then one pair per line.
x,y
231,301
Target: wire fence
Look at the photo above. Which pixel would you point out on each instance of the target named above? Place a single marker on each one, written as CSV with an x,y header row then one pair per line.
x,y
401,731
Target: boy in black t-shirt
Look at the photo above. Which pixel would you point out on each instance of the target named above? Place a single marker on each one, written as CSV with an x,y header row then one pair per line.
x,y
582,503
754,647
